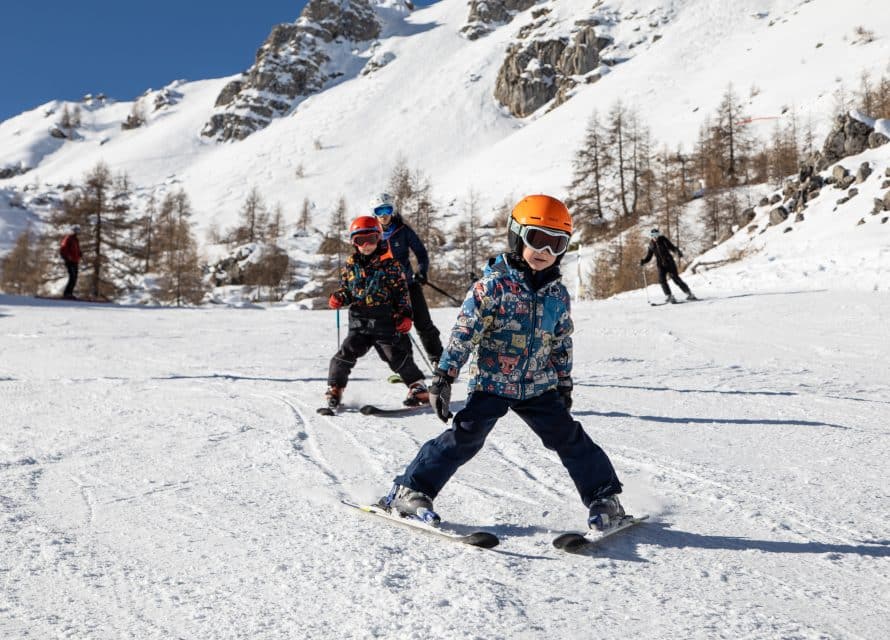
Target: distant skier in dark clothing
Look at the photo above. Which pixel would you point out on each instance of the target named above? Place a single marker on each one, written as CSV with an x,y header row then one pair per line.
x,y
70,252
374,288
403,239
661,248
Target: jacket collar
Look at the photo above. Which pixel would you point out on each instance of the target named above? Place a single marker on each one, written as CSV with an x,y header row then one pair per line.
x,y
513,264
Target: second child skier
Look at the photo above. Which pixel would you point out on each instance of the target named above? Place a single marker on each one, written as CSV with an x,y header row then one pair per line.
x,y
374,288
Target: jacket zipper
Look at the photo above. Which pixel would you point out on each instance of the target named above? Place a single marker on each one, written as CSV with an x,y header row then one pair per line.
x,y
531,343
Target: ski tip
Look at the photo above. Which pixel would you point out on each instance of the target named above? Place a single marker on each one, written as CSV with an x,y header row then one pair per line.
x,y
570,541
575,542
482,539
372,410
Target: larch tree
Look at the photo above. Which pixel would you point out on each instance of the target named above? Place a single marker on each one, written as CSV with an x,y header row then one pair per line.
x,y
180,279
23,268
590,165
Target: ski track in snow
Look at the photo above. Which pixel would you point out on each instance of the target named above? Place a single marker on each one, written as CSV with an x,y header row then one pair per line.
x,y
169,477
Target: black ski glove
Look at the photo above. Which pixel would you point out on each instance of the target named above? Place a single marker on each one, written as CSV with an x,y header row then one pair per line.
x,y
420,277
440,395
565,394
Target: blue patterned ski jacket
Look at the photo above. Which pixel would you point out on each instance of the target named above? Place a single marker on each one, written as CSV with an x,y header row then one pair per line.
x,y
520,336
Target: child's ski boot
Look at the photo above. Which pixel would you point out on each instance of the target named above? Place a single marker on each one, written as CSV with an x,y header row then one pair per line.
x,y
418,395
410,503
604,512
334,396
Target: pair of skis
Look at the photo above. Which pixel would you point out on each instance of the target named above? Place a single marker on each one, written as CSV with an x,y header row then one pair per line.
x,y
570,542
374,410
661,304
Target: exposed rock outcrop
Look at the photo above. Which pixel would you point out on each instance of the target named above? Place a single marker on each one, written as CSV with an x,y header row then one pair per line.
x,y
778,215
293,62
485,15
849,135
538,70
166,97
13,170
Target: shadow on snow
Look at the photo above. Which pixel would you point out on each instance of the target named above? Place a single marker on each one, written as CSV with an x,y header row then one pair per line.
x,y
739,421
660,534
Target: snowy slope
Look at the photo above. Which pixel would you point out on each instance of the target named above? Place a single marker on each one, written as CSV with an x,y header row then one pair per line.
x,y
433,105
840,242
165,475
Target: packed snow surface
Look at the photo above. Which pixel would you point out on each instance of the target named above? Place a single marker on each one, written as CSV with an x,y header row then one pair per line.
x,y
163,474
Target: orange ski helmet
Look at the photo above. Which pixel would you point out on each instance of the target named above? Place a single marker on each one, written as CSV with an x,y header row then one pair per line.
x,y
537,211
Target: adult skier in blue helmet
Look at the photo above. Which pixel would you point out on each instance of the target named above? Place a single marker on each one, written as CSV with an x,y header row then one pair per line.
x,y
403,241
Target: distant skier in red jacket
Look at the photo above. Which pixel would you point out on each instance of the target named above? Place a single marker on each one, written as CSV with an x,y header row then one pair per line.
x,y
70,252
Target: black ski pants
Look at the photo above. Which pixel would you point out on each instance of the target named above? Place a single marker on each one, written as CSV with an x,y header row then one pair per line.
x,y
394,350
587,464
429,334
72,268
663,273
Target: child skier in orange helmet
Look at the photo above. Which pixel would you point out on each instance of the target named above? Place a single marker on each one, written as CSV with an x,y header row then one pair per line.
x,y
516,323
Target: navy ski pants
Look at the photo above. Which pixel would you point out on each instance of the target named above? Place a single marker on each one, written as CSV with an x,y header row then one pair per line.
x,y
438,459
394,351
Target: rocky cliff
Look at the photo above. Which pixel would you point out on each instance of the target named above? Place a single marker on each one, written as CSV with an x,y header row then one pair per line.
x,y
293,62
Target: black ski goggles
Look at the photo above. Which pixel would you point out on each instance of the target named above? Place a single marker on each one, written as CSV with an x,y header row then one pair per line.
x,y
383,210
541,239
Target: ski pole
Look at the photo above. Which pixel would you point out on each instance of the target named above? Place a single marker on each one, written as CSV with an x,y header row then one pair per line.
x,y
444,293
645,284
422,354
339,269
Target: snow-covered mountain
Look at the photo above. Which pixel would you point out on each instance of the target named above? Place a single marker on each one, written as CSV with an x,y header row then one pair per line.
x,y
447,88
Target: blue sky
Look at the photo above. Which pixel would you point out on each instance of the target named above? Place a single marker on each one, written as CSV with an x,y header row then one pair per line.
x,y
65,49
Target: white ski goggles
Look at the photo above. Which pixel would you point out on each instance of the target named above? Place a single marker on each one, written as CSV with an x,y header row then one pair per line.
x,y
541,239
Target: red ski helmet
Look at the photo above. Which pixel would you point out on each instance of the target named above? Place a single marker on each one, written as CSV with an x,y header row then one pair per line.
x,y
365,224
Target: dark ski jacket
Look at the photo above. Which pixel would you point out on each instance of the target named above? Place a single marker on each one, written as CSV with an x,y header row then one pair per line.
x,y
661,248
403,238
376,291
70,249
